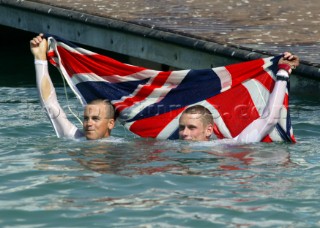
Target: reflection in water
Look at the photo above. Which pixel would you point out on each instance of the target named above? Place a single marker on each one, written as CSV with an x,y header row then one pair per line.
x,y
136,158
176,157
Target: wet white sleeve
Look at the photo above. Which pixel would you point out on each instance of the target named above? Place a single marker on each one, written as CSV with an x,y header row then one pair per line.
x,y
48,99
262,126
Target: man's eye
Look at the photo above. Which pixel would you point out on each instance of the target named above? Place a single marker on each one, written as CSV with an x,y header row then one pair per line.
x,y
85,118
95,118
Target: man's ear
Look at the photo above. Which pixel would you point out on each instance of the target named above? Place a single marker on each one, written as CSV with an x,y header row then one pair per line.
x,y
111,124
209,130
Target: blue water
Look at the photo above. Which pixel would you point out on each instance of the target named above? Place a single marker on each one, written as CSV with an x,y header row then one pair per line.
x,y
125,181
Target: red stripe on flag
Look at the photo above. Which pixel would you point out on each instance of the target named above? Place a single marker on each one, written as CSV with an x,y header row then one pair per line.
x,y
246,70
217,131
144,92
236,108
152,126
266,80
286,101
76,63
267,139
51,55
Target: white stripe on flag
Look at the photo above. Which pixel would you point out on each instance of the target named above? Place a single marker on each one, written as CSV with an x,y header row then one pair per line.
x,y
77,50
170,128
258,93
217,119
156,96
77,78
225,77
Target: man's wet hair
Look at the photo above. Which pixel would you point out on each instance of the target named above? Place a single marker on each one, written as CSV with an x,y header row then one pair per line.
x,y
108,104
206,115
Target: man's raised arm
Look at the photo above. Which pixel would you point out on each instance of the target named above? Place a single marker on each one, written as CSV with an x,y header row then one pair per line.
x,y
48,98
262,126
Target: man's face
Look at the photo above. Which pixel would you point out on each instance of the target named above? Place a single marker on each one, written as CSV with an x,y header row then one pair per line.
x,y
96,125
191,128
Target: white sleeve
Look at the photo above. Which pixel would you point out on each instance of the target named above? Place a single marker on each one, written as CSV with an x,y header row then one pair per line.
x,y
262,126
48,99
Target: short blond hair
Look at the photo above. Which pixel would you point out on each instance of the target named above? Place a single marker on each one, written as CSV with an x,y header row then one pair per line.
x,y
109,107
206,115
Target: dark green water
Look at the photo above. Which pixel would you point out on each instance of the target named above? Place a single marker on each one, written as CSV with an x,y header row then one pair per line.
x,y
131,182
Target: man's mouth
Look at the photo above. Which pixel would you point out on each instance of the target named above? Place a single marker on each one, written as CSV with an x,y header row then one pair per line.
x,y
187,138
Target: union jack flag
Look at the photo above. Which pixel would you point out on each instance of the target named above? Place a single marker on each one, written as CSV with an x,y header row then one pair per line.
x,y
149,102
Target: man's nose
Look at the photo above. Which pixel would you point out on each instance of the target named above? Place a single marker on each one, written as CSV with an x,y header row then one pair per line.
x,y
185,131
90,122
